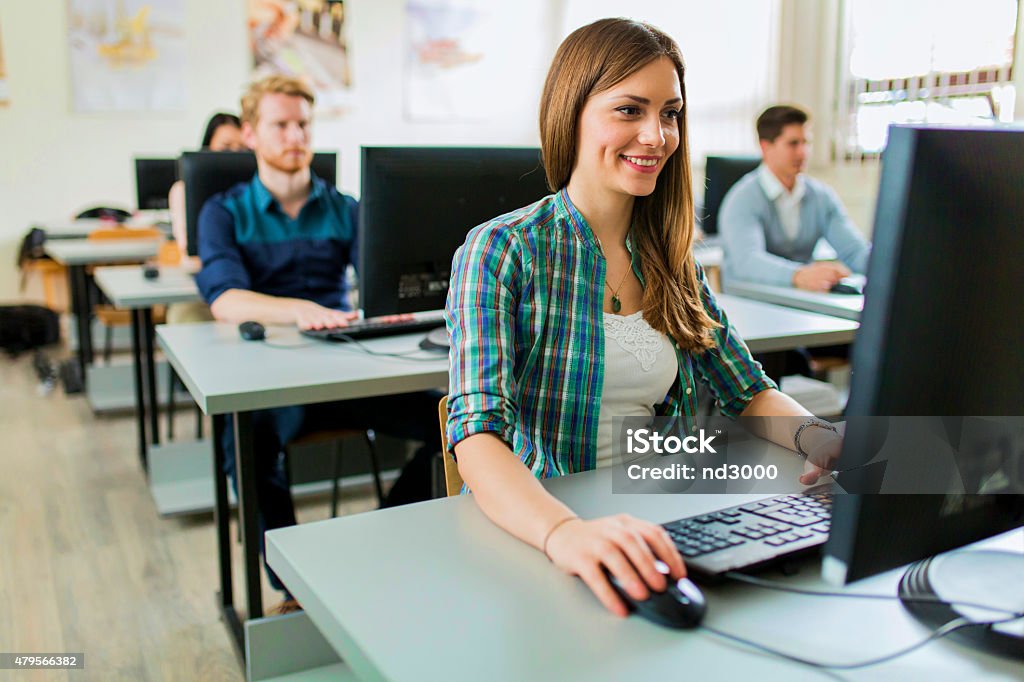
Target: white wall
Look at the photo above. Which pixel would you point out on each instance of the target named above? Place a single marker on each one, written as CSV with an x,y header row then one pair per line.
x,y
377,118
731,63
57,162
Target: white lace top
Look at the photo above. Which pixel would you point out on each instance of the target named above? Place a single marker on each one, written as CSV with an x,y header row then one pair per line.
x,y
639,369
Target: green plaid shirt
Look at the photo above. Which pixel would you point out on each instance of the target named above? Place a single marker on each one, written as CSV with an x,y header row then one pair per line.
x,y
525,315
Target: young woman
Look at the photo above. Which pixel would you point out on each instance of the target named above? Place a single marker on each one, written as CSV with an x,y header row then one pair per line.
x,y
223,134
588,305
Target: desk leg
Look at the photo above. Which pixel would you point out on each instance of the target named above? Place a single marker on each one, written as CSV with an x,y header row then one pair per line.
x,y
154,406
140,402
79,284
245,468
222,521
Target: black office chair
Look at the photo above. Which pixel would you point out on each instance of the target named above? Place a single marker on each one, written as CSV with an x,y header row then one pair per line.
x,y
208,173
720,174
117,215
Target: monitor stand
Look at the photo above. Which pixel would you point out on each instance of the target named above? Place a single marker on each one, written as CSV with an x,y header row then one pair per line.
x,y
975,576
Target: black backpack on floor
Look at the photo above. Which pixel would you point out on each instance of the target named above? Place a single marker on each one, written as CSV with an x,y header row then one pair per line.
x,y
27,327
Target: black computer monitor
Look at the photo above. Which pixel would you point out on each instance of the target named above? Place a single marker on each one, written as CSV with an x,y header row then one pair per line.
x,y
207,173
153,180
720,174
940,335
416,206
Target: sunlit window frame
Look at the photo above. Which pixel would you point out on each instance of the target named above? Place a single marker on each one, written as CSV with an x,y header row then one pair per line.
x,y
936,86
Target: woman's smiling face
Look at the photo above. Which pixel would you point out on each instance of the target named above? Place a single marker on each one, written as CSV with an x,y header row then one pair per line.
x,y
627,133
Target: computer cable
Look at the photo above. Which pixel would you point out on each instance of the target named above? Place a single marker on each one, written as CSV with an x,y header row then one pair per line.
x,y
406,355
950,627
772,585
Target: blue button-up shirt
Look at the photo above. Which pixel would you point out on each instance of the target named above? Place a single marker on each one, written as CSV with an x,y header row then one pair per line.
x,y
247,242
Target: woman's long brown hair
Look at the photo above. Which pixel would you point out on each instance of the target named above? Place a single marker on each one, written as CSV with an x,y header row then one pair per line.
x,y
592,59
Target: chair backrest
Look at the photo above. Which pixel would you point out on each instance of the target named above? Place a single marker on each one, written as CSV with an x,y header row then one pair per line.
x,y
126,233
117,215
208,173
452,478
720,174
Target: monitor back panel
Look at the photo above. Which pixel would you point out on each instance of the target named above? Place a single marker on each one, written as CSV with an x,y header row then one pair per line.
x,y
416,206
153,180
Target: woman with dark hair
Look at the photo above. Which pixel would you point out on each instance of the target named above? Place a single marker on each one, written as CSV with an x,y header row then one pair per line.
x,y
223,134
589,304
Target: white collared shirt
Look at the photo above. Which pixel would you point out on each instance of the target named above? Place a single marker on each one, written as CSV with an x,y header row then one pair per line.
x,y
786,203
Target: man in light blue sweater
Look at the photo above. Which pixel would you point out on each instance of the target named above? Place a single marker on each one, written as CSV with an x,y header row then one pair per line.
x,y
772,217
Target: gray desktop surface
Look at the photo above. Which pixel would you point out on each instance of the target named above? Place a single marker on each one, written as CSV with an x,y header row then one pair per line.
x,y
225,373
435,591
768,328
126,287
846,306
90,251
80,228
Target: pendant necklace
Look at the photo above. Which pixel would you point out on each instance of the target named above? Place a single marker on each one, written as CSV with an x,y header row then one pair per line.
x,y
616,303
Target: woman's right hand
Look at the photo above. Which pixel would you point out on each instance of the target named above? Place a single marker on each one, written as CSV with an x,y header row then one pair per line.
x,y
626,546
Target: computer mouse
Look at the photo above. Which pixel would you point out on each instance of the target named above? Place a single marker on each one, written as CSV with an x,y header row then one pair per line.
x,y
150,271
436,339
252,331
845,288
680,606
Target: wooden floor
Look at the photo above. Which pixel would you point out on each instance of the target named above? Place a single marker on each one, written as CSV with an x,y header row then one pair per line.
x,y
87,565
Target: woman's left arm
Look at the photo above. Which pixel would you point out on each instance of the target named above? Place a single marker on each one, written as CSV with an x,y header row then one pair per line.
x,y
821,444
743,390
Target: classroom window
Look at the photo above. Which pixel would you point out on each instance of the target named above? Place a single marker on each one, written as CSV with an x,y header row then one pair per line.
x,y
925,61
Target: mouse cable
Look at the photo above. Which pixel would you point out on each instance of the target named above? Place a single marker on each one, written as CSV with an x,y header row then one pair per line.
x,y
405,355
774,585
951,626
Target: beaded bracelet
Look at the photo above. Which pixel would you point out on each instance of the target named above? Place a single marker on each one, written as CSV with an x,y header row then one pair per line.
x,y
544,545
813,421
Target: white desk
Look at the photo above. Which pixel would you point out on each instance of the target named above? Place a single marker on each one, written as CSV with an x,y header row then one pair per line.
x,y
127,288
846,306
76,254
227,375
770,328
81,227
101,251
435,591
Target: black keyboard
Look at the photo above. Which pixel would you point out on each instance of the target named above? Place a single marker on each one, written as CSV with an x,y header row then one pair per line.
x,y
752,535
360,330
